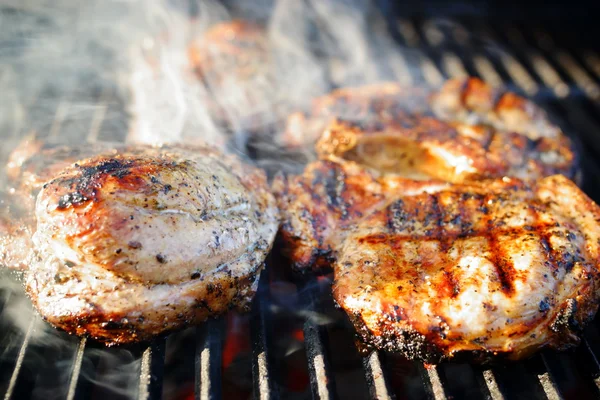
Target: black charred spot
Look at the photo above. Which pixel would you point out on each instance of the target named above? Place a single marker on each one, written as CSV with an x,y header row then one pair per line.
x,y
118,251
161,258
397,216
134,244
565,320
196,275
112,325
544,305
210,288
71,199
167,188
153,179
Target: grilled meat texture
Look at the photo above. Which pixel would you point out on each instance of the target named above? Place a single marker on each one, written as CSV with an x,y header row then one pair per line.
x,y
328,198
384,132
424,148
475,270
466,130
132,245
34,162
371,104
233,61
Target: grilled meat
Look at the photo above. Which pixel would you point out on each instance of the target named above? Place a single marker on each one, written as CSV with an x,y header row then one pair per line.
x,y
233,60
149,240
33,162
371,104
467,130
422,147
387,132
473,270
319,205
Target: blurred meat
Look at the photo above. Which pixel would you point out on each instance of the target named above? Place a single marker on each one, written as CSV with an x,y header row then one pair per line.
x,y
233,60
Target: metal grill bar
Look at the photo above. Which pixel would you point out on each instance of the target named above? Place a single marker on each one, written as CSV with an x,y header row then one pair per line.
x,y
19,361
76,369
316,343
433,384
263,380
209,353
151,375
490,384
378,386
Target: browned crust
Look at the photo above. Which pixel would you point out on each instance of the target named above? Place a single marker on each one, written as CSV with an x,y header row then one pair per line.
x,y
559,321
118,329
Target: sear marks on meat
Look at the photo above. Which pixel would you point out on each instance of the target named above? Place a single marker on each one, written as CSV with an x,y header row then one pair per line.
x,y
149,240
386,132
371,104
330,196
420,147
493,268
34,162
466,130
233,60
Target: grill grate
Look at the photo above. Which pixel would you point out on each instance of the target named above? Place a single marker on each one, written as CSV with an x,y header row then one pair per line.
x,y
529,60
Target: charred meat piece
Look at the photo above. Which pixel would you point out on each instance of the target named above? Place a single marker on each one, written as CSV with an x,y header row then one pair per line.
x,y
369,105
328,198
33,162
466,130
472,271
149,240
233,61
422,147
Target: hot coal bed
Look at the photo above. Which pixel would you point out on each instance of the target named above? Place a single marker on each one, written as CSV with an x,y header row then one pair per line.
x,y
294,343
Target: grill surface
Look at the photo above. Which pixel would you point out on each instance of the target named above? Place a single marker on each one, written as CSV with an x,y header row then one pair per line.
x,y
533,60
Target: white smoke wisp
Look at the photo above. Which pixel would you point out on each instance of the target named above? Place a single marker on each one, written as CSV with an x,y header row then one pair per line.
x,y
58,58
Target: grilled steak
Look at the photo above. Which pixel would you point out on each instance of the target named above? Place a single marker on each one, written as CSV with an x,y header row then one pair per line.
x,y
384,132
319,205
149,240
466,130
422,147
33,162
371,104
473,270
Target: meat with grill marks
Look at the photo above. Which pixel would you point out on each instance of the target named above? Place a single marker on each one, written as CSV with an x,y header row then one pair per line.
x,y
135,244
467,130
33,162
329,197
473,271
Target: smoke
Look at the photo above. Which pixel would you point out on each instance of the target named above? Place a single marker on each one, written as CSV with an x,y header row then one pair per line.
x,y
121,70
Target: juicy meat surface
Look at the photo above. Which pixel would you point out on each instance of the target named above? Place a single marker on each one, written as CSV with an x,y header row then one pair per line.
x,y
466,130
33,162
135,244
387,133
377,103
329,197
473,270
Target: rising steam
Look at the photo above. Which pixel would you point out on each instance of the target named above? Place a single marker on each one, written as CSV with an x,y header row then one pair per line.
x,y
99,70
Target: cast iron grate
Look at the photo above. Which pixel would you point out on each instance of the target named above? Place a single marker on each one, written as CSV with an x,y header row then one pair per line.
x,y
528,59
